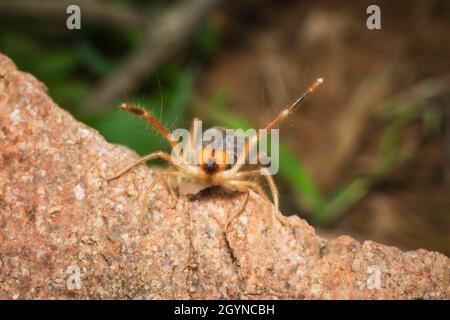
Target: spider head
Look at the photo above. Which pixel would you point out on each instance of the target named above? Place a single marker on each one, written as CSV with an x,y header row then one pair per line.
x,y
213,160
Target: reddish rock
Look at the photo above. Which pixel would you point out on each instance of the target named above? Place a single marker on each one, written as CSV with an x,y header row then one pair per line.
x,y
65,232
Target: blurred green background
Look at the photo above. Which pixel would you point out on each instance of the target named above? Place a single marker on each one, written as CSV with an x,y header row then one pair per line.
x,y
368,155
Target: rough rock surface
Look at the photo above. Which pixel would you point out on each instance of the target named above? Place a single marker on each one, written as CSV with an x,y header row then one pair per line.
x,y
65,232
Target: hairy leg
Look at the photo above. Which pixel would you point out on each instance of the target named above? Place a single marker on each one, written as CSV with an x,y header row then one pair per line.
x,y
274,123
169,187
166,175
275,196
273,189
147,116
245,186
151,156
161,176
148,190
284,114
239,210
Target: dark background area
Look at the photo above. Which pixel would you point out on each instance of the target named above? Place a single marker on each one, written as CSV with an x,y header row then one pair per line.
x,y
368,154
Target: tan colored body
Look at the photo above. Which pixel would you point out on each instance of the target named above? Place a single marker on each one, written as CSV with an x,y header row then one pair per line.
x,y
213,169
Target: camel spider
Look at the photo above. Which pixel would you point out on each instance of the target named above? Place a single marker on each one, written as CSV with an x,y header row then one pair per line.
x,y
212,170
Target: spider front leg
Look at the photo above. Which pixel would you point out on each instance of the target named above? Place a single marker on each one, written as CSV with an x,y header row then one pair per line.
x,y
273,189
245,186
151,156
162,176
239,210
169,186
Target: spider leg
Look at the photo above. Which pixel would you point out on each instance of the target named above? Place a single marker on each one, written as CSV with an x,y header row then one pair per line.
x,y
274,123
273,190
160,176
284,114
245,186
147,116
166,175
275,196
149,189
151,156
239,210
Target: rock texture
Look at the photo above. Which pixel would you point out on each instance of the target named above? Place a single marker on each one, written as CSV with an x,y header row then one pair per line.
x,y
65,232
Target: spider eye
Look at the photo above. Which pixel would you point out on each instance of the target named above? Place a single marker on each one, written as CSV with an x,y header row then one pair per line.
x,y
210,166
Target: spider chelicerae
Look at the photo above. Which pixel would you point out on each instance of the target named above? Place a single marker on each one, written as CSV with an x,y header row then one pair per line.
x,y
213,167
